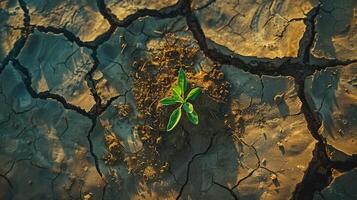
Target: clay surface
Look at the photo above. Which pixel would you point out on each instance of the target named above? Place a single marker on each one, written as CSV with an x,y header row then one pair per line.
x,y
80,84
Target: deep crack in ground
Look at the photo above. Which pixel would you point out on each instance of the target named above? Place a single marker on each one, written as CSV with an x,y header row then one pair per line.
x,y
297,67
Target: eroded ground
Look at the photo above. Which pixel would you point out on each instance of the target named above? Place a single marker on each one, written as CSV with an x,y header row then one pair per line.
x,y
80,83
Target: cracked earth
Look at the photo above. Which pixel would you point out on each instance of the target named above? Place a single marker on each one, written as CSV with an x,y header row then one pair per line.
x,y
80,83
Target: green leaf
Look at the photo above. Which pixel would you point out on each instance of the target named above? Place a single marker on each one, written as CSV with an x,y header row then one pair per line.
x,y
188,107
182,81
193,117
193,94
169,101
174,119
176,92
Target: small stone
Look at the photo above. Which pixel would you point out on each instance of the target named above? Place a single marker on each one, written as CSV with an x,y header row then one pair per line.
x,y
280,144
220,76
264,162
88,196
340,131
85,168
140,116
158,140
273,177
301,167
97,75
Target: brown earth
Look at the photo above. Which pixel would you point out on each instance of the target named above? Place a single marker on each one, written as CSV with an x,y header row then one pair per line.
x,y
80,83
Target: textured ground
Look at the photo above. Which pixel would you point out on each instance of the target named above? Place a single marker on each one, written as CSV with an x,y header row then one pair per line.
x,y
80,83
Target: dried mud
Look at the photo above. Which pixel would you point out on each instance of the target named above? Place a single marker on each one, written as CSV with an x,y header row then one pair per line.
x,y
80,83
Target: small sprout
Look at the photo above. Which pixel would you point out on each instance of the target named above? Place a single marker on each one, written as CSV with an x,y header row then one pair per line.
x,y
178,96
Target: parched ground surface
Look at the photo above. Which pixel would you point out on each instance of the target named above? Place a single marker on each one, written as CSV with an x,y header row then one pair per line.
x,y
80,83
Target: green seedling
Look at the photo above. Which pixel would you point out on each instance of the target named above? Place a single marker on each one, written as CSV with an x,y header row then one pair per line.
x,y
178,97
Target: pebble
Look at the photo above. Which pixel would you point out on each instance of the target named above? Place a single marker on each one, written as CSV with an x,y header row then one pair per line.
x,y
280,144
264,162
273,177
97,75
88,196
